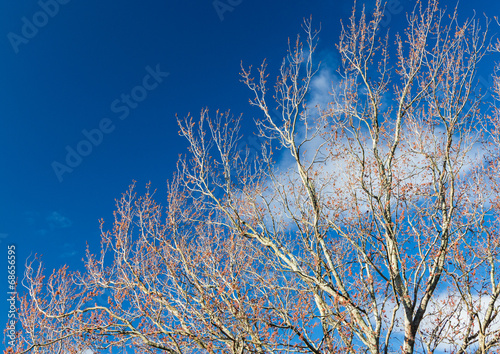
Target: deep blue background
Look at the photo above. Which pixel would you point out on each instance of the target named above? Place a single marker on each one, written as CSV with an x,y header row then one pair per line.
x,y
90,53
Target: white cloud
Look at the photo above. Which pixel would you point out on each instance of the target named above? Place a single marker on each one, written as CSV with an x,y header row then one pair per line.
x,y
341,174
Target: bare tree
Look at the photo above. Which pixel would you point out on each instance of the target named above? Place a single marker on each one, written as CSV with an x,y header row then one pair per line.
x,y
377,230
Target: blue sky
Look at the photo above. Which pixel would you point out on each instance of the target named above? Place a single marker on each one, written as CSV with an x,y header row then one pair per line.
x,y
107,79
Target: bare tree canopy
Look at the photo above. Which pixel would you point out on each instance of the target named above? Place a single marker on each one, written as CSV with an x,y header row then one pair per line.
x,y
376,230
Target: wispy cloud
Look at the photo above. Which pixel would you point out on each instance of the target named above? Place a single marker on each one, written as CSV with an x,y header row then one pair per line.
x,y
68,250
58,221
43,226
